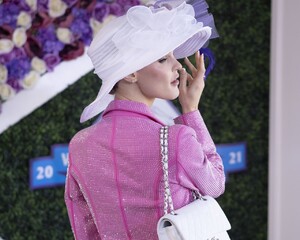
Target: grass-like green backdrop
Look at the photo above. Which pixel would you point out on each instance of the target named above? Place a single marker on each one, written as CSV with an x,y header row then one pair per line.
x,y
234,105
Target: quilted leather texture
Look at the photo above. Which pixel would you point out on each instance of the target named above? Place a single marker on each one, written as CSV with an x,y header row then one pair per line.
x,y
199,220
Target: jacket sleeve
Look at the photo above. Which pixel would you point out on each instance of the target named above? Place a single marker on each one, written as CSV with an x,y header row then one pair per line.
x,y
198,163
80,216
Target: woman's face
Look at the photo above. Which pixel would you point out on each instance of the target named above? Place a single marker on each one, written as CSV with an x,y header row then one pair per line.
x,y
160,79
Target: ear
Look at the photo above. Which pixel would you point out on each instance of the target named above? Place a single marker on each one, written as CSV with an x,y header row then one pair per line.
x,y
131,78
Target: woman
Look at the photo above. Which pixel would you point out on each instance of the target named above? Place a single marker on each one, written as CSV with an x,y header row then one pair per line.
x,y
114,187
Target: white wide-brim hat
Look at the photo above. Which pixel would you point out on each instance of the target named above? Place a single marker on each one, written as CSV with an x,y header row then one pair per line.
x,y
137,39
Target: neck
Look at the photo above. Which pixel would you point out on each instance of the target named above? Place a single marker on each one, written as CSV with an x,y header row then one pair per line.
x,y
131,92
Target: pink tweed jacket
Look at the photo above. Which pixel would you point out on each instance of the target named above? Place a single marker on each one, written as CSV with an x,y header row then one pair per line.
x,y
114,187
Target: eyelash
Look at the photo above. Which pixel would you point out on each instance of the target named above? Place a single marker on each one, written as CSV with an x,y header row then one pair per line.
x,y
162,60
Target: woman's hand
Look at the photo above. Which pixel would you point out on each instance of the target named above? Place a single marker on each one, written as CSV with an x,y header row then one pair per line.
x,y
191,86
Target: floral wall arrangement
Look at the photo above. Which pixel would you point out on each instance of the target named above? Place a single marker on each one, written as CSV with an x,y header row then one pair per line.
x,y
37,35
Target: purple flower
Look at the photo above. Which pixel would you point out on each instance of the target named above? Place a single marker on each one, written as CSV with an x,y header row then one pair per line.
x,y
15,84
70,3
123,2
51,60
80,26
21,3
42,41
2,59
134,2
80,13
42,5
9,13
18,67
44,34
16,53
52,46
50,43
116,9
126,4
82,30
101,11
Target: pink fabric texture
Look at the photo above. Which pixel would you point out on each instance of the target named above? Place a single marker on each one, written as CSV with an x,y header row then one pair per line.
x,y
114,188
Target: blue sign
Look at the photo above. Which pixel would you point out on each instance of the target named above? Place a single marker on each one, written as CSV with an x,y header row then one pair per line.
x,y
233,156
50,171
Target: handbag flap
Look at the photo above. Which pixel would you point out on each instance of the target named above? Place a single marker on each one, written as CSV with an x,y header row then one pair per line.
x,y
200,219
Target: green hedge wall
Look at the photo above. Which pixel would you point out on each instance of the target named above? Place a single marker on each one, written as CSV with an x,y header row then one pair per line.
x,y
234,105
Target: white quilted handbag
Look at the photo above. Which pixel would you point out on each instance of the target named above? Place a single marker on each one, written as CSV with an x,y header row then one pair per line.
x,y
202,219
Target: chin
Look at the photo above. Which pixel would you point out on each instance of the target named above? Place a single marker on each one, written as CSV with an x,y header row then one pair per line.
x,y
172,97
169,95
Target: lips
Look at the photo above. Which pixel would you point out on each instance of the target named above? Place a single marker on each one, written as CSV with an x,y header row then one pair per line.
x,y
175,82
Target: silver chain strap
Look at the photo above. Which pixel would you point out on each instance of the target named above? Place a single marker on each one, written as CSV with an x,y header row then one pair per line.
x,y
168,202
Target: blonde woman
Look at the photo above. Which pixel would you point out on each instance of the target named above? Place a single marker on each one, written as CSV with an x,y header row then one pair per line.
x,y
114,187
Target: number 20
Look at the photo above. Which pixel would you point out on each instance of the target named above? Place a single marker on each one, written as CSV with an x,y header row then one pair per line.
x,y
44,172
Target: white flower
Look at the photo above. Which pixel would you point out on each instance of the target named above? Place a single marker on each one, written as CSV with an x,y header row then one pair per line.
x,y
96,25
38,65
32,4
19,37
30,79
57,8
3,73
64,35
24,20
6,46
6,91
147,2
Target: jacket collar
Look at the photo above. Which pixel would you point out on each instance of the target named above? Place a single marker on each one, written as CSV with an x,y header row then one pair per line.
x,y
131,107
